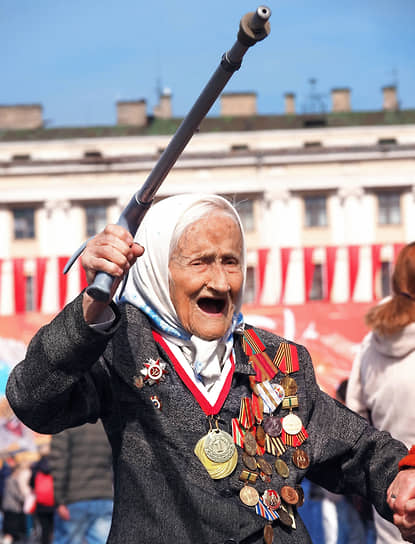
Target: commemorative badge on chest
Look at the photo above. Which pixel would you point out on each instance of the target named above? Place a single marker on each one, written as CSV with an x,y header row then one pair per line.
x,y
153,371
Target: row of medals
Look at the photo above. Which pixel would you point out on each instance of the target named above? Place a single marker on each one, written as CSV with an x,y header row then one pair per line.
x,y
218,454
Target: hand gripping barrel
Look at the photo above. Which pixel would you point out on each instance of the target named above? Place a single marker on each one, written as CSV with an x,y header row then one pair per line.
x,y
254,27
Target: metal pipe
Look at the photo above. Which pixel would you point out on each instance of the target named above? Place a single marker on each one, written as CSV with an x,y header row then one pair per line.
x,y
254,27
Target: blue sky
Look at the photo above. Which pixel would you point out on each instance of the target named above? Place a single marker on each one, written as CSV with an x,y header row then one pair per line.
x,y
78,57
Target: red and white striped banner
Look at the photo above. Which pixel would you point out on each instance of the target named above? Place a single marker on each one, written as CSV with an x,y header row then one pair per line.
x,y
344,265
38,284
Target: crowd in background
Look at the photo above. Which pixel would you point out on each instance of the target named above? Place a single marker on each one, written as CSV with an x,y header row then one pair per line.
x,y
65,497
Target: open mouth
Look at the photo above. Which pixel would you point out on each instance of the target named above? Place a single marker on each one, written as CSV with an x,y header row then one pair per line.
x,y
211,305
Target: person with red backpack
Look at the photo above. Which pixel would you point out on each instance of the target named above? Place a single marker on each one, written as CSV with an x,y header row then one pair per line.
x,y
42,485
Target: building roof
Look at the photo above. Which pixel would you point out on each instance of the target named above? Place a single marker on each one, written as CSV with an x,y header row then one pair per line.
x,y
219,124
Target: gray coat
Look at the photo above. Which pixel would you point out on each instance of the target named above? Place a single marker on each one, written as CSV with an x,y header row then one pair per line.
x,y
73,374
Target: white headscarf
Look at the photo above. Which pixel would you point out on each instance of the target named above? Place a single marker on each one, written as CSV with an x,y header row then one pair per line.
x,y
148,283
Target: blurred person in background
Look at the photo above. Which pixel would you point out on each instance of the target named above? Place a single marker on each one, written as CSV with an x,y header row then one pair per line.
x,y
16,491
81,466
41,482
381,386
5,472
332,518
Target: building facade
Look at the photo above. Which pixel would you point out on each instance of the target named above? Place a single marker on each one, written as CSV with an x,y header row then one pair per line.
x,y
327,199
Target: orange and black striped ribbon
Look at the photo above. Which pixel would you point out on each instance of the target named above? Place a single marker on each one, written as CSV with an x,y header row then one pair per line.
x,y
286,358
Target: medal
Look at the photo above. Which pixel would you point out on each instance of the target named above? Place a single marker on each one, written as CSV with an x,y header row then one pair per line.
x,y
279,390
156,402
293,432
289,494
250,445
272,426
260,435
268,534
219,446
249,461
291,424
285,517
271,499
249,495
264,466
300,492
282,468
289,385
154,371
270,397
301,459
215,470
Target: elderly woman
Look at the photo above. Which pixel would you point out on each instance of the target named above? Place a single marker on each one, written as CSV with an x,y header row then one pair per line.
x,y
213,424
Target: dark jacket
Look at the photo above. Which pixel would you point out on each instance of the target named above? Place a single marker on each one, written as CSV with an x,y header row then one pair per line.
x,y
81,464
74,374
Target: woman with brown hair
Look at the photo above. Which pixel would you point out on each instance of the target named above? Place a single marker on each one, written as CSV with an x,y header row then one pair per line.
x,y
381,384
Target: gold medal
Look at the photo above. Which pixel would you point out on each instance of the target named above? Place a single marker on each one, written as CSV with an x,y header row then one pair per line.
x,y
215,470
289,385
282,468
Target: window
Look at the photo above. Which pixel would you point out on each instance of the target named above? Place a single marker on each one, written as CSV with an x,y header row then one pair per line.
x,y
389,208
92,157
246,212
315,211
317,292
96,219
21,157
239,147
385,278
24,223
313,144
312,123
249,294
387,141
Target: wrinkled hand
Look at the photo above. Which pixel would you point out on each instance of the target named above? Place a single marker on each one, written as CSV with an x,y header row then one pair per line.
x,y
113,251
63,512
401,499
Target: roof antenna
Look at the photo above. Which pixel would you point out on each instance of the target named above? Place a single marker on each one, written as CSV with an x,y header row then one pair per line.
x,y
315,100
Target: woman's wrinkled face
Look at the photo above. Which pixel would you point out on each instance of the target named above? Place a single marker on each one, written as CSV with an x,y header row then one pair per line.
x,y
206,275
